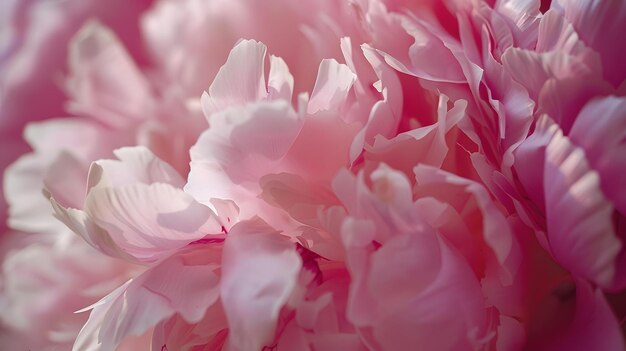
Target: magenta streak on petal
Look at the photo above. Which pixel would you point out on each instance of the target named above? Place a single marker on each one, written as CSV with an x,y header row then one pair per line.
x,y
309,262
208,241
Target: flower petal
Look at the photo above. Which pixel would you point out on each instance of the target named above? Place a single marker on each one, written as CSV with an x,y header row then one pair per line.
x,y
150,221
333,83
240,80
184,284
260,270
99,64
600,129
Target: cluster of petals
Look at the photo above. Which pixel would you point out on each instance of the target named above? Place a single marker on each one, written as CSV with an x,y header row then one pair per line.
x,y
326,175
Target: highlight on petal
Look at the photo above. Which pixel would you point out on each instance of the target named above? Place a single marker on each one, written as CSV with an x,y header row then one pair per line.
x,y
333,83
240,80
600,129
280,81
578,215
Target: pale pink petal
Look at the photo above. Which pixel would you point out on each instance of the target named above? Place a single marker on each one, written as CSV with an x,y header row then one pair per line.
x,y
324,239
227,211
135,208
240,80
562,98
80,223
104,80
88,338
242,144
320,321
181,36
191,38
334,81
185,284
280,81
494,28
358,65
260,269
63,150
133,165
84,139
388,34
150,221
29,210
310,314
357,237
65,178
364,218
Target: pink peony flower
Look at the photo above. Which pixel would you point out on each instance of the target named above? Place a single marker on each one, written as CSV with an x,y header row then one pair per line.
x,y
339,175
